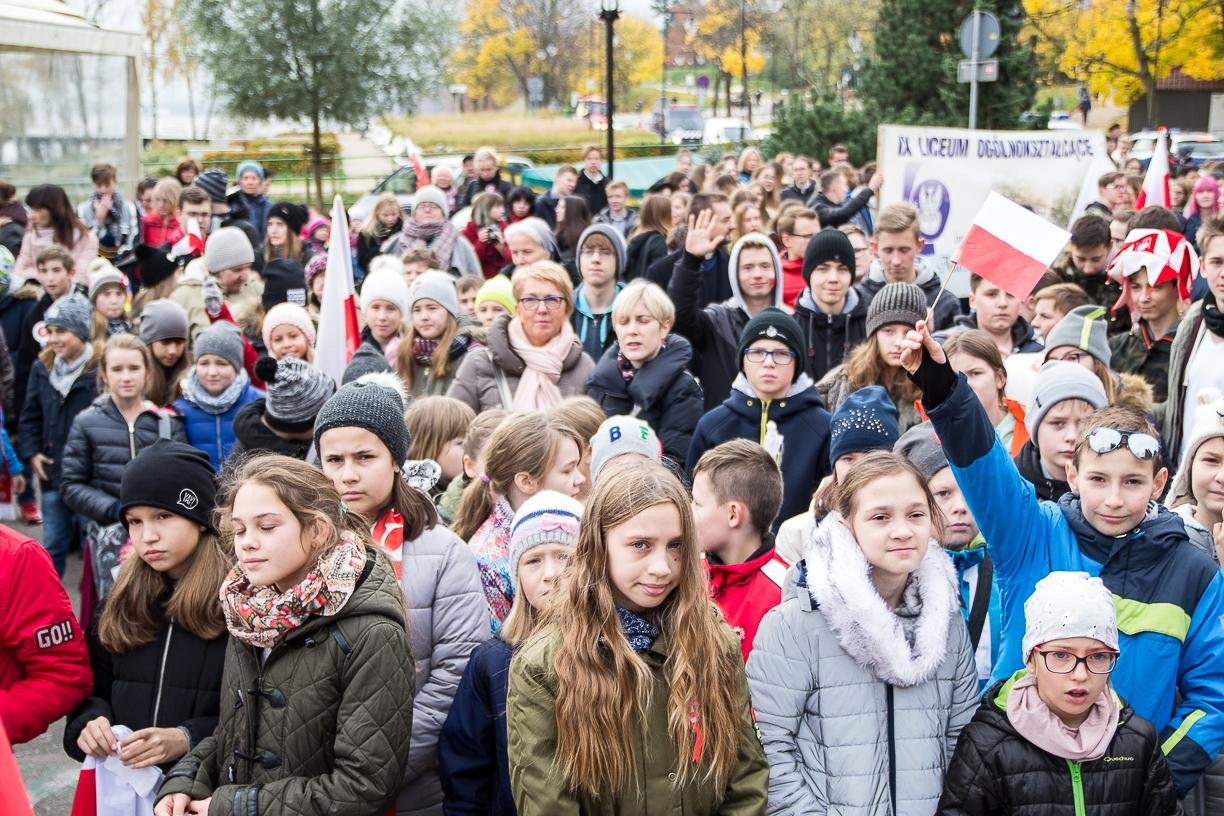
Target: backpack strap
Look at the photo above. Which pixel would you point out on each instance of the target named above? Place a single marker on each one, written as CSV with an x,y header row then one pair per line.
x,y
346,648
981,602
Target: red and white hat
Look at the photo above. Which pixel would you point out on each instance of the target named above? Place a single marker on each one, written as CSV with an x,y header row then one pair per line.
x,y
1163,254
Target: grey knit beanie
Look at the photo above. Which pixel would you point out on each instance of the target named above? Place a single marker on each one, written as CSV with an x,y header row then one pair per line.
x,y
896,303
223,340
296,392
227,248
162,320
921,446
374,402
214,182
431,195
1084,328
1058,381
436,286
73,313
614,238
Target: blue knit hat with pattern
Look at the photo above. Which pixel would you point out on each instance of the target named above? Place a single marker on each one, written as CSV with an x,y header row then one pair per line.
x,y
866,421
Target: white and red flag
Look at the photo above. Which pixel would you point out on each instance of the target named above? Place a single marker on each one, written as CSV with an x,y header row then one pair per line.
x,y
339,333
1010,246
1155,190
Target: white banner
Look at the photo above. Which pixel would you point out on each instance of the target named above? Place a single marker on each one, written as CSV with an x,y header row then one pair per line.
x,y
948,172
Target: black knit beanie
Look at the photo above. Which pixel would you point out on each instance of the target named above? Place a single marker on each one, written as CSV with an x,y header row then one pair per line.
x,y
828,245
171,476
774,324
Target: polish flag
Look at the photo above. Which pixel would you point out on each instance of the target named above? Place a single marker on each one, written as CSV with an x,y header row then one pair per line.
x,y
418,167
191,244
1010,246
1155,191
339,333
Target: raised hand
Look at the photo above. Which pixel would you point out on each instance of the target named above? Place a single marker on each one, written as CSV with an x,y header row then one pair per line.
x,y
917,339
700,240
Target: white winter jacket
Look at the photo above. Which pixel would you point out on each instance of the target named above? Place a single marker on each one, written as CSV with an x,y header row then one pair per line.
x,y
859,706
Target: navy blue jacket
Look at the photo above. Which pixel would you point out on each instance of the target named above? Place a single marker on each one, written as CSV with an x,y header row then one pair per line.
x,y
214,433
46,417
800,417
472,755
1169,595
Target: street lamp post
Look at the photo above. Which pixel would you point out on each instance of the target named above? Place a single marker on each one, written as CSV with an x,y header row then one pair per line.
x,y
609,12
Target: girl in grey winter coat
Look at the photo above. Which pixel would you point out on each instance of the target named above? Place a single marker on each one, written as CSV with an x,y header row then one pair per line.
x,y
863,677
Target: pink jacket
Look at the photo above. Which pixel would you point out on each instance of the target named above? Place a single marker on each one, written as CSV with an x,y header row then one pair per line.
x,y
36,240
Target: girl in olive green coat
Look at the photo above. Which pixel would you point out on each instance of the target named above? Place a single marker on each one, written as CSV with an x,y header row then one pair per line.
x,y
316,699
633,692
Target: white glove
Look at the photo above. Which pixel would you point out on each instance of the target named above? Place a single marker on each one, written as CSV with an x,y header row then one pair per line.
x,y
212,296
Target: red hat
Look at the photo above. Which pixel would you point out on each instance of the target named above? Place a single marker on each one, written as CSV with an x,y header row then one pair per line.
x,y
1163,254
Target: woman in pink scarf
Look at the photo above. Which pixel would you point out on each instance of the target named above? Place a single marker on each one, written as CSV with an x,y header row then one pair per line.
x,y
532,358
1056,732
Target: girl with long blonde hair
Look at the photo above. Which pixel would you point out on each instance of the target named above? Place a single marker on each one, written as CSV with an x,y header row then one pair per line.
x,y
633,685
526,454
158,646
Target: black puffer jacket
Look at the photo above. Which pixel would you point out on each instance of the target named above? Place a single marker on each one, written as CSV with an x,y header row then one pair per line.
x,y
173,681
46,416
100,445
663,394
996,771
829,338
254,436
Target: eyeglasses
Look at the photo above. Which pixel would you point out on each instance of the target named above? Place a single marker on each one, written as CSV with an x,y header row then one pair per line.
x,y
1060,662
1072,357
531,303
1142,445
779,357
596,252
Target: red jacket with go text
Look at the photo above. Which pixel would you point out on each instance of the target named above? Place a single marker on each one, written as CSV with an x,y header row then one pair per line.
x,y
44,664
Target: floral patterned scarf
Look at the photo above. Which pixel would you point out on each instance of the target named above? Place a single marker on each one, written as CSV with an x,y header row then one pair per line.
x,y
263,616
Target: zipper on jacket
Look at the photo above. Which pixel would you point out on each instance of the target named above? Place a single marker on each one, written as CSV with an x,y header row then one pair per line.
x,y
764,421
132,439
1077,788
892,750
161,673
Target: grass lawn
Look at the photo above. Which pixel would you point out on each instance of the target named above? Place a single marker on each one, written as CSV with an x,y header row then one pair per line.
x,y
509,131
1065,97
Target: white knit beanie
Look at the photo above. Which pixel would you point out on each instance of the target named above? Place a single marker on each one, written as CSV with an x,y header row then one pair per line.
x,y
287,314
547,517
1068,605
1208,424
389,286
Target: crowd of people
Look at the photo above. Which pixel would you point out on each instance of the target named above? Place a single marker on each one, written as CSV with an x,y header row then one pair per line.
x,y
719,503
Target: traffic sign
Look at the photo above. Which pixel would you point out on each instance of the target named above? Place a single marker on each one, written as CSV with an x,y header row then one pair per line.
x,y
987,35
703,81
987,71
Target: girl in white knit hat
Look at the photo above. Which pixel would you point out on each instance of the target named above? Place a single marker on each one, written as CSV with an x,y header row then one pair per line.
x,y
1056,732
1197,494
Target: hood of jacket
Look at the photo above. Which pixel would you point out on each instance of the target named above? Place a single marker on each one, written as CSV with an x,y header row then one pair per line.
x,y
924,270
1134,392
737,297
807,309
614,238
652,380
250,431
498,341
582,308
1147,545
1022,333
801,396
837,580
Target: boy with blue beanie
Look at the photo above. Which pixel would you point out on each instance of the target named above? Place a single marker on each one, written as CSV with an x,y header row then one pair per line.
x,y
1168,594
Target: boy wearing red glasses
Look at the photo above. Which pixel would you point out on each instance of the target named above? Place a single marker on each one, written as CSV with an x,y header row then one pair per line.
x,y
1169,596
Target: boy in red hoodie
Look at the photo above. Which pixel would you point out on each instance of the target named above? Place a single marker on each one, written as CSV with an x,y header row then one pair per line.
x,y
737,491
795,228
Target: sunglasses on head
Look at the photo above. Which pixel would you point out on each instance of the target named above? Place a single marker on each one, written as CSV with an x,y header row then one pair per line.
x,y
1143,445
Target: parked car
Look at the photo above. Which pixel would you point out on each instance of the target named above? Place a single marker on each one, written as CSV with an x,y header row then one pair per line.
x,y
403,181
1185,146
726,131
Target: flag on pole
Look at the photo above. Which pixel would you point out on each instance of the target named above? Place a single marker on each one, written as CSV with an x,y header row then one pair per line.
x,y
418,167
191,244
339,333
1155,190
1099,166
1010,246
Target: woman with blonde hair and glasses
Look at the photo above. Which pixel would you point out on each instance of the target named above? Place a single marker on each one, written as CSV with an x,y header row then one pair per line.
x,y
532,358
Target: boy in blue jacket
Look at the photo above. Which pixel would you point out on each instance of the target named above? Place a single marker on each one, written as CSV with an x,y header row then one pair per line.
x,y
775,404
1169,595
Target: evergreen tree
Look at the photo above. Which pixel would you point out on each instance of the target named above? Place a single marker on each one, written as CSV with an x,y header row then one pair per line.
x,y
913,74
320,61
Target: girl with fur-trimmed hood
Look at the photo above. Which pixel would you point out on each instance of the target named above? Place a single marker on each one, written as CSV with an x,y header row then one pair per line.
x,y
863,677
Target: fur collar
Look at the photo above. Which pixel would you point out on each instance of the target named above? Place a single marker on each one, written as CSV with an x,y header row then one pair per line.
x,y
840,583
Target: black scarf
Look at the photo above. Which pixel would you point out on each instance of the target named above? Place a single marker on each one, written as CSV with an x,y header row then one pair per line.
x,y
1213,318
